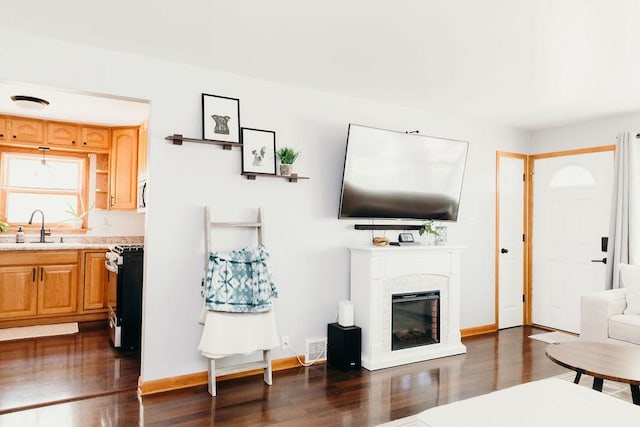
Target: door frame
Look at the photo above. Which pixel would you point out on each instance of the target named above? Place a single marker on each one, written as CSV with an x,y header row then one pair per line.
x,y
529,213
525,229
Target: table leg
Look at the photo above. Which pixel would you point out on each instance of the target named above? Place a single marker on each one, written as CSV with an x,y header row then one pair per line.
x,y
597,383
635,394
577,379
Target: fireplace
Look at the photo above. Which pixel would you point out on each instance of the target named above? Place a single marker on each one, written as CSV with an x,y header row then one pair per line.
x,y
407,302
415,319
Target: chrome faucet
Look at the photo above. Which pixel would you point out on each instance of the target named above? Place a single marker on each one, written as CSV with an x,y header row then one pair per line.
x,y
43,233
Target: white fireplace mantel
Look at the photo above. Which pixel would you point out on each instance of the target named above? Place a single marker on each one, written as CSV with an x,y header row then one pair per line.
x,y
379,272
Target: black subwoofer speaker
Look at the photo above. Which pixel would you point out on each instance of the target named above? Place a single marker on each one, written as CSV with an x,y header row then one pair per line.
x,y
343,346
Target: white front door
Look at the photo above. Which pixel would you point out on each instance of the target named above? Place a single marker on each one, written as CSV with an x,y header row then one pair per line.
x,y
511,208
571,209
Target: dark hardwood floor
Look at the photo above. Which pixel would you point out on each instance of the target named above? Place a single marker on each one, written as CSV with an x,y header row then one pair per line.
x,y
39,371
315,396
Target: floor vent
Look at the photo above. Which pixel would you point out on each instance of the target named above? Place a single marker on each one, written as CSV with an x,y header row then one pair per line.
x,y
315,349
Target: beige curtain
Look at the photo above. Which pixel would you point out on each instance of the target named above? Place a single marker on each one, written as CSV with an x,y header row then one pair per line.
x,y
624,229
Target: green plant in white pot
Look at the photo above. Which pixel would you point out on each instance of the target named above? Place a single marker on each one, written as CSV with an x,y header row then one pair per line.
x,y
76,218
430,230
287,156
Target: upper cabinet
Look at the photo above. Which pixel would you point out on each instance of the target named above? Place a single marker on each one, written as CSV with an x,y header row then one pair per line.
x,y
27,130
94,138
143,135
124,168
4,128
64,134
121,153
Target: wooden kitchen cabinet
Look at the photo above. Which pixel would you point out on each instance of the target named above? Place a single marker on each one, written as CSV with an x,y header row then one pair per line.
x,y
124,168
4,128
38,284
62,134
143,136
94,138
95,281
18,291
27,130
57,289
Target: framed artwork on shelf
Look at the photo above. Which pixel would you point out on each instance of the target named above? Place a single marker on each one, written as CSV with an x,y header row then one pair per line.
x,y
258,151
220,118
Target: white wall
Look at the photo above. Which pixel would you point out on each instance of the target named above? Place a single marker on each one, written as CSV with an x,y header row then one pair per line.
x,y
593,133
115,223
307,242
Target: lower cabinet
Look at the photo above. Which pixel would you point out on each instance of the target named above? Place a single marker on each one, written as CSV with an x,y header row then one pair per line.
x,y
18,292
52,286
95,281
36,290
58,289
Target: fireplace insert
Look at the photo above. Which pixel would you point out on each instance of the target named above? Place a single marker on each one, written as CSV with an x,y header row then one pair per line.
x,y
415,319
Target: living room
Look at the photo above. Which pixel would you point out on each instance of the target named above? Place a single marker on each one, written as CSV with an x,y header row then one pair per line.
x,y
508,77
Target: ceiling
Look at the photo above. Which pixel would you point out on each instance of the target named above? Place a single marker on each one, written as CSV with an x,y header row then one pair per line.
x,y
521,63
74,106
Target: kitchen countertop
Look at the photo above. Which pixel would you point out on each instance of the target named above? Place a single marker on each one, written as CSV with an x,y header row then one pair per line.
x,y
69,243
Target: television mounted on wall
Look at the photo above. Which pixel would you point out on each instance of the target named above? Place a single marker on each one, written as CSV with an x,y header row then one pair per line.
x,y
399,175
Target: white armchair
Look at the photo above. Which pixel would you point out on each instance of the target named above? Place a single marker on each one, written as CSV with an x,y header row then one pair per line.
x,y
613,315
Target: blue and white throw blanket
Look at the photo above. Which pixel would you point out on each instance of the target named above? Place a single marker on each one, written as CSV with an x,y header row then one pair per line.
x,y
239,281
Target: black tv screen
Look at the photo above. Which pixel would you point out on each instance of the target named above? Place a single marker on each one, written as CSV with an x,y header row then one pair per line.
x,y
389,174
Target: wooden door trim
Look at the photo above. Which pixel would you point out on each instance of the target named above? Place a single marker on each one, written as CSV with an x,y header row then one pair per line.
x,y
525,182
529,249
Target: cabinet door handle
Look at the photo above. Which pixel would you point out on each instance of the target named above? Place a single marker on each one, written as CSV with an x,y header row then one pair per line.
x,y
33,277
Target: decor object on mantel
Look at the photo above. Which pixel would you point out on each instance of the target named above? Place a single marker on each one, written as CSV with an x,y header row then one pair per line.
x,y
431,232
380,241
4,227
287,156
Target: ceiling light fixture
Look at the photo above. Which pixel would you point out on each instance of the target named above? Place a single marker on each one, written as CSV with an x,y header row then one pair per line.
x,y
30,102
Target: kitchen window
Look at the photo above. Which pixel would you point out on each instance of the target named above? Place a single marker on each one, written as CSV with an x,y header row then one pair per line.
x,y
55,183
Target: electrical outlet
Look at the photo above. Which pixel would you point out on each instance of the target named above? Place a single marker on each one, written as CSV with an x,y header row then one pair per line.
x,y
285,342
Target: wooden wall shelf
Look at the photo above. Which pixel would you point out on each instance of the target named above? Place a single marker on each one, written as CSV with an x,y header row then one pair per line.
x,y
292,178
178,139
386,227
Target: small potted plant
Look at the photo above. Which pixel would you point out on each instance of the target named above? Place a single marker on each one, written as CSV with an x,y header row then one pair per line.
x,y
287,156
76,218
3,227
430,230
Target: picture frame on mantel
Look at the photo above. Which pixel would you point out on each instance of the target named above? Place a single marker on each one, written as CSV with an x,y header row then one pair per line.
x,y
220,118
258,151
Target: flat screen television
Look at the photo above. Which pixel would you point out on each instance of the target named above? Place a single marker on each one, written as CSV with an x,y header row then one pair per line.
x,y
399,175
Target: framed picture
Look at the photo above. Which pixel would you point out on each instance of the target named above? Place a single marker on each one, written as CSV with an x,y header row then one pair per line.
x,y
258,151
220,118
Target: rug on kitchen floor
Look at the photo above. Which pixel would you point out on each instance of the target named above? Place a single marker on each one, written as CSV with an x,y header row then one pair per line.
x,y
554,337
38,331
